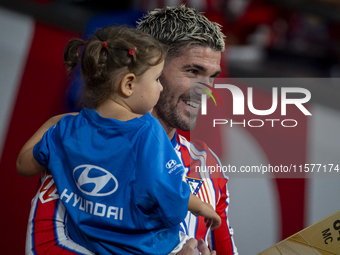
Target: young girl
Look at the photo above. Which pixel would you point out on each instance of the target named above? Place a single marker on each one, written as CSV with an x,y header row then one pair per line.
x,y
114,167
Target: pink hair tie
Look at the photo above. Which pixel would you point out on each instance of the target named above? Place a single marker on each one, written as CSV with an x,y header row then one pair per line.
x,y
104,44
133,50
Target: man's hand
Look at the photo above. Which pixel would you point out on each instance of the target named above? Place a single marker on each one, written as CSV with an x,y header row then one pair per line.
x,y
191,246
204,248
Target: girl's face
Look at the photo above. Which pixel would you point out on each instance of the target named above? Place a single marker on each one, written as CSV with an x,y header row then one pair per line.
x,y
147,90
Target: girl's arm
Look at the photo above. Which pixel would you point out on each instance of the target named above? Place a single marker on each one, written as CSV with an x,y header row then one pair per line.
x,y
26,164
198,207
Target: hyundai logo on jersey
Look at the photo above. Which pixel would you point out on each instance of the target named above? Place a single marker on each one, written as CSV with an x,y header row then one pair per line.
x,y
94,181
171,164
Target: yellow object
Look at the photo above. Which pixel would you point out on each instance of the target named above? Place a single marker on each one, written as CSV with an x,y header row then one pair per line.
x,y
321,238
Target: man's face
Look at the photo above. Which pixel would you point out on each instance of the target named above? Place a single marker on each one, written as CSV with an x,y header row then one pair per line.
x,y
179,103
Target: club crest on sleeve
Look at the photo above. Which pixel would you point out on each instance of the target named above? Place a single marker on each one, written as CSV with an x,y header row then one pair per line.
x,y
194,184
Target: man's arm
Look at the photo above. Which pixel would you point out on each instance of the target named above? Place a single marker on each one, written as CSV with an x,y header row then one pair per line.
x,y
26,164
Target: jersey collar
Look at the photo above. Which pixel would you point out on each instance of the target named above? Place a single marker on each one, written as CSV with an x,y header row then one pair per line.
x,y
174,140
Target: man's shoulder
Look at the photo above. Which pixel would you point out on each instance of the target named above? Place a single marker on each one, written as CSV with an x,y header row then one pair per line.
x,y
196,154
196,145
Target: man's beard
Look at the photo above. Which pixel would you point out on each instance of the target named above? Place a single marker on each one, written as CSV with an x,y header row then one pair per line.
x,y
167,111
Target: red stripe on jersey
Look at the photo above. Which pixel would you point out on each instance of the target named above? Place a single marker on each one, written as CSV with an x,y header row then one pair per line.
x,y
205,192
222,241
45,239
43,234
201,230
223,244
43,226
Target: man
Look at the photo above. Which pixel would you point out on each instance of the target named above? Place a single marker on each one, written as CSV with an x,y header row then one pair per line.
x,y
195,46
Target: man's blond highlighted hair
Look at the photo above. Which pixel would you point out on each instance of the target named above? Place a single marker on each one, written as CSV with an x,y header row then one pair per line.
x,y
182,26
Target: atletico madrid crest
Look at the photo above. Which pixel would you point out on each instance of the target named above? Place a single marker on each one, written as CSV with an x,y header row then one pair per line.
x,y
194,184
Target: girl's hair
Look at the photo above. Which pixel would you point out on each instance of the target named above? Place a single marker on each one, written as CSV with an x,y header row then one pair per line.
x,y
108,56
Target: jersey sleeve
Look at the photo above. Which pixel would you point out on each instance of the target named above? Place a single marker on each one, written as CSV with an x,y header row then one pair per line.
x,y
45,151
41,150
160,174
222,239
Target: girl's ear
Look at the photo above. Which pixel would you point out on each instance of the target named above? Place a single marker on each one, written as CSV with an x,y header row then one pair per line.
x,y
127,84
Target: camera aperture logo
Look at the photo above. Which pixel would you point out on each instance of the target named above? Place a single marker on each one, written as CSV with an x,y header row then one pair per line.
x,y
239,99
204,96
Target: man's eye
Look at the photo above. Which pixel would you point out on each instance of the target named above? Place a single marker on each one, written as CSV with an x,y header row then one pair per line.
x,y
193,71
157,79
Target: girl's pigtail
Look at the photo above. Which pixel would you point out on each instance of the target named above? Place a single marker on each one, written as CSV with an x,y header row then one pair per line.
x,y
72,54
94,62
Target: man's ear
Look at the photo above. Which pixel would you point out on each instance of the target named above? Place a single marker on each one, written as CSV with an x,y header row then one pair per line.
x,y
127,84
